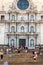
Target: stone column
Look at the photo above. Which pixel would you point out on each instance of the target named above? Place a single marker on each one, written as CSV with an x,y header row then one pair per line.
x,y
8,40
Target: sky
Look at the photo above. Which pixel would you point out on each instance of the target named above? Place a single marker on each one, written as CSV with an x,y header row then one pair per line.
x,y
6,3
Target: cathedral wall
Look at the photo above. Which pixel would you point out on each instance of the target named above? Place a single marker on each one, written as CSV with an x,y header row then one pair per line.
x,y
11,42
41,33
6,31
25,27
30,44
7,17
2,33
23,17
32,24
38,17
11,25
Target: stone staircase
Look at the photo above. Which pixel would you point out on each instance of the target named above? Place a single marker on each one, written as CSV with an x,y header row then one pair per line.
x,y
21,59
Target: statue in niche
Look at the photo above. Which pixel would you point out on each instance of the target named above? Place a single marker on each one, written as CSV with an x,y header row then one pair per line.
x,y
13,6
2,7
21,18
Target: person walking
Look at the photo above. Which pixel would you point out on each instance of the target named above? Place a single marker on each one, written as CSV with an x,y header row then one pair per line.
x,y
35,56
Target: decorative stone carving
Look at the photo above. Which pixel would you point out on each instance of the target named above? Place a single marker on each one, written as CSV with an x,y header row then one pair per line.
x,y
13,6
31,8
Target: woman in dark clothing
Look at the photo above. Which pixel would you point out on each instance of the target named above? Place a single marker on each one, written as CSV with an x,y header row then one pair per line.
x,y
1,55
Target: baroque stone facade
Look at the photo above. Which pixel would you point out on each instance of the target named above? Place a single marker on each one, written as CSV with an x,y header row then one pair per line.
x,y
21,25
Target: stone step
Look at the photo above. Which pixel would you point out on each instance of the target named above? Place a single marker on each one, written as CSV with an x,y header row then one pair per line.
x,y
22,59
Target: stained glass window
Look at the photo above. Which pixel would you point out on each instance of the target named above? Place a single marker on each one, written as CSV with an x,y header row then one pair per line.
x,y
23,4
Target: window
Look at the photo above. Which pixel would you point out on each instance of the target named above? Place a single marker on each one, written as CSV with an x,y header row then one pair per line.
x,y
2,17
22,28
31,43
41,18
23,4
13,17
13,29
32,29
32,18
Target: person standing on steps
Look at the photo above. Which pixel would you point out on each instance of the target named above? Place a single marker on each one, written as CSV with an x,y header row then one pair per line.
x,y
5,63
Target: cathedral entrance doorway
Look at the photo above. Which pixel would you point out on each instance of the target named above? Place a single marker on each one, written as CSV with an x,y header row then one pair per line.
x,y
22,42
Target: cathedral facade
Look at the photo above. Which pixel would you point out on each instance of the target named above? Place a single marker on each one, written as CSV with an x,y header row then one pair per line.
x,y
21,25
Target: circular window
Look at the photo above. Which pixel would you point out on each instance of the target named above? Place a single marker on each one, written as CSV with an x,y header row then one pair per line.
x,y
23,4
